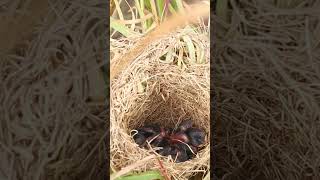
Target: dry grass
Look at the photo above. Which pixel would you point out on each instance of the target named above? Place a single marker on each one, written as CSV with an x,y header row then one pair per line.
x,y
152,90
267,87
200,10
50,128
267,95
16,20
151,74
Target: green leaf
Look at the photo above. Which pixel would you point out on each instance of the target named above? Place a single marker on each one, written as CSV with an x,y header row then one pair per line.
x,y
149,175
147,4
140,7
160,5
174,4
179,6
121,28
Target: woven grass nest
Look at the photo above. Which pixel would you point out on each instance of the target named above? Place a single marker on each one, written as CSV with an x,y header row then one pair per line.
x,y
166,84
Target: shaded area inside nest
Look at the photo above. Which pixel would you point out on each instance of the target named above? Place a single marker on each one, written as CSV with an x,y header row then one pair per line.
x,y
168,107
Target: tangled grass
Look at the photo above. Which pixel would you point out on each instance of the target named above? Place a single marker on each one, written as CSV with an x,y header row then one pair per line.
x,y
266,80
52,102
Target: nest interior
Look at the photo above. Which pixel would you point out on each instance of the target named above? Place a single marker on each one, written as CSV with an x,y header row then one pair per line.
x,y
152,92
167,106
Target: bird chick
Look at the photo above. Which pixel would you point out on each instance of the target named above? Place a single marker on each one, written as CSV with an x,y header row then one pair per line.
x,y
166,150
185,125
189,149
196,136
144,133
181,144
179,136
181,155
149,130
157,139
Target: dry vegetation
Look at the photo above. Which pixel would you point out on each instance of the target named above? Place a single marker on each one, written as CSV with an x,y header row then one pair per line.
x,y
166,92
52,108
162,77
267,88
266,72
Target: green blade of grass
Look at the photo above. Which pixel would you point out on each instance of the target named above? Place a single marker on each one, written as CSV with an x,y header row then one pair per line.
x,y
149,175
172,9
140,7
121,28
179,5
160,6
147,6
154,11
173,4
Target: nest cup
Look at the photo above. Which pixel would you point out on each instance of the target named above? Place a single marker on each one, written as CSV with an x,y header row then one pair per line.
x,y
164,91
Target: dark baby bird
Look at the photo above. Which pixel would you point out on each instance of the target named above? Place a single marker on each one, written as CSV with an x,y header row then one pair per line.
x,y
176,152
185,125
181,144
144,134
196,136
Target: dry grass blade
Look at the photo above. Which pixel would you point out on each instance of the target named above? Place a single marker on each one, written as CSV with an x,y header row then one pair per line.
x,y
112,6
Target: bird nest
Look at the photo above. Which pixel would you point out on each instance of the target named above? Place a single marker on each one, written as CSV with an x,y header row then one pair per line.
x,y
168,83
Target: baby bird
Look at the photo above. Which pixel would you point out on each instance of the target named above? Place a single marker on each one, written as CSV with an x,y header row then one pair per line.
x,y
178,137
185,125
166,150
179,134
181,155
181,144
189,150
144,134
157,139
196,136
140,139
